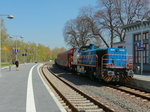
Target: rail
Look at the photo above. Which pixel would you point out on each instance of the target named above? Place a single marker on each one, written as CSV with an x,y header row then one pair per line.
x,y
133,91
78,91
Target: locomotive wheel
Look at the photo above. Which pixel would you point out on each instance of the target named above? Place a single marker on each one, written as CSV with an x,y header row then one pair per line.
x,y
100,78
91,75
74,69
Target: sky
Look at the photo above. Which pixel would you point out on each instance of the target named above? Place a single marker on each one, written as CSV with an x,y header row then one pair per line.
x,y
41,21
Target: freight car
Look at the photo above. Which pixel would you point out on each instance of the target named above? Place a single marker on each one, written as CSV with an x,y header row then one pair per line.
x,y
111,64
65,58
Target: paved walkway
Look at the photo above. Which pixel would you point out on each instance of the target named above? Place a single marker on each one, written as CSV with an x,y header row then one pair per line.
x,y
144,76
25,91
141,81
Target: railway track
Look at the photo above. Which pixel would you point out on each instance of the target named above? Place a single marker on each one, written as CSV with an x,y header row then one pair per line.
x,y
74,99
133,91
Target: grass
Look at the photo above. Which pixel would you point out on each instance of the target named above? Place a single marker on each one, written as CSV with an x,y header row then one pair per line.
x,y
5,64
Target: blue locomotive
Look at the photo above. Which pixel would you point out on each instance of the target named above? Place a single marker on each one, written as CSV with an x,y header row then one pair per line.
x,y
110,64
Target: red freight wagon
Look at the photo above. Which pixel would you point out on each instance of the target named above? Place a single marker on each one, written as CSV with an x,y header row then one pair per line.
x,y
65,58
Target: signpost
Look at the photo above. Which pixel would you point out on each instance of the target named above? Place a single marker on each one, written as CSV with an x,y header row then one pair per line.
x,y
24,54
4,48
141,49
16,51
139,46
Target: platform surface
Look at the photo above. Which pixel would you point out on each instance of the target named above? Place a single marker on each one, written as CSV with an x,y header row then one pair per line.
x,y
24,91
141,81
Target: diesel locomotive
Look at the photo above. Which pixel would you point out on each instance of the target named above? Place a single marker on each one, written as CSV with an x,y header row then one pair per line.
x,y
110,64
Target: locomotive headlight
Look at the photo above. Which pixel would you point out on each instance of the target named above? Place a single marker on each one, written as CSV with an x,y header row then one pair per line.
x,y
130,73
110,73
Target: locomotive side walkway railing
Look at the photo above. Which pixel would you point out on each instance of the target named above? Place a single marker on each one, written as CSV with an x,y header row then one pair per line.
x,y
87,59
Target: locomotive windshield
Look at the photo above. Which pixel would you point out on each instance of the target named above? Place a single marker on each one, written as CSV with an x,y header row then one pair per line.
x,y
84,48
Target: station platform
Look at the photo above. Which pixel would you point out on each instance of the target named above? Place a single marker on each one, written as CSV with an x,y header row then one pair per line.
x,y
141,81
25,90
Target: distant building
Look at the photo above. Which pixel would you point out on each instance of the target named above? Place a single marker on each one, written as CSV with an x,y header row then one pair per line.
x,y
133,42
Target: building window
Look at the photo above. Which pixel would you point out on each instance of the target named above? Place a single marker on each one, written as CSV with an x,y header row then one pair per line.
x,y
137,52
145,36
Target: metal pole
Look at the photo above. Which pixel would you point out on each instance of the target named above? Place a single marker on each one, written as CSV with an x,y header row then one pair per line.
x,y
24,54
16,50
23,50
10,61
9,17
142,47
0,42
6,56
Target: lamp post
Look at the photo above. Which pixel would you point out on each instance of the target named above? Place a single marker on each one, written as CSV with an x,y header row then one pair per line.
x,y
142,46
11,45
9,17
23,50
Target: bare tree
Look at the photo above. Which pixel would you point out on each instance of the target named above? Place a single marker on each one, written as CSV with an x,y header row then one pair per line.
x,y
95,28
83,30
76,32
116,13
127,11
70,34
105,23
106,16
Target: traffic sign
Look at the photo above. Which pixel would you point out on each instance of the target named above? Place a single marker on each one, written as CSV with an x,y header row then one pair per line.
x,y
4,48
16,50
138,44
141,49
24,54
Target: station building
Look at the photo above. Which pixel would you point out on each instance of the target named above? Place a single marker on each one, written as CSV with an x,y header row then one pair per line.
x,y
133,45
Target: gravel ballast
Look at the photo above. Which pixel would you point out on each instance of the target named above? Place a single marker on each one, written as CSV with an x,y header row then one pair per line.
x,y
119,101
